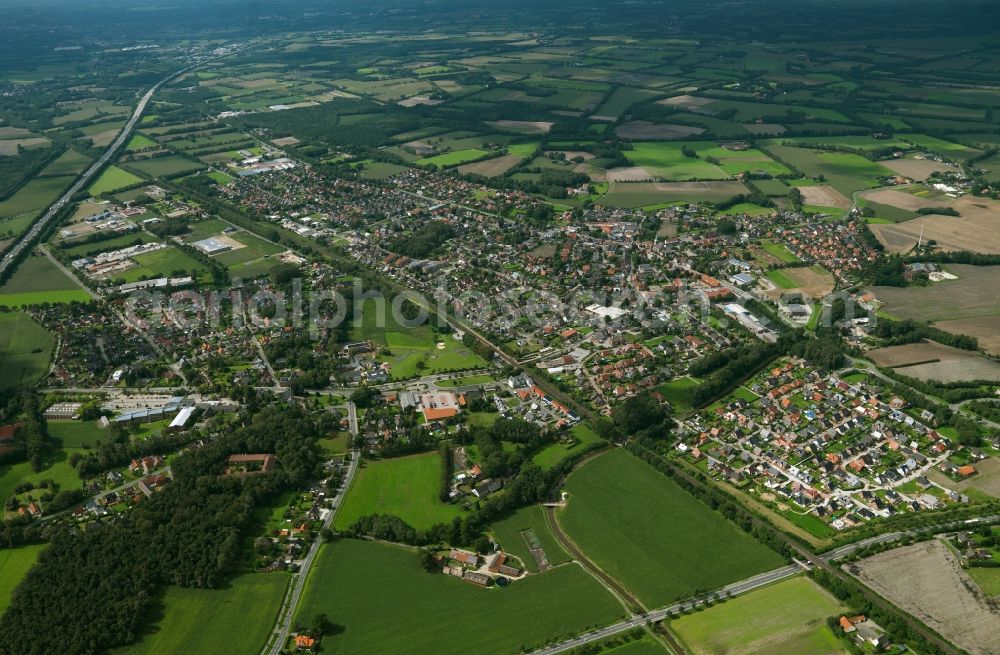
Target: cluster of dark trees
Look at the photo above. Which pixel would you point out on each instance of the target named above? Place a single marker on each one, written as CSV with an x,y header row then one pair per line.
x,y
447,461
95,586
424,241
642,416
908,331
985,408
31,442
725,370
119,449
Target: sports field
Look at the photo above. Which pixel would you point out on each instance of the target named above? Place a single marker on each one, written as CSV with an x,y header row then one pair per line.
x,y
14,565
237,619
659,541
513,533
394,607
113,179
77,434
787,617
407,487
37,280
161,263
25,348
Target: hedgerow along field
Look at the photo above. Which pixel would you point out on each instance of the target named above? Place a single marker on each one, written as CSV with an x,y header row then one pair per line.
x,y
236,619
658,540
396,608
787,617
407,487
25,348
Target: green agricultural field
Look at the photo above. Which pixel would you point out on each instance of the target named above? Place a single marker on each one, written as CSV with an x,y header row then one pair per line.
x,y
37,280
552,454
236,619
453,158
658,195
510,533
114,243
113,179
140,142
169,166
36,195
407,487
434,613
665,160
70,162
25,348
621,99
14,565
377,170
845,172
787,617
661,542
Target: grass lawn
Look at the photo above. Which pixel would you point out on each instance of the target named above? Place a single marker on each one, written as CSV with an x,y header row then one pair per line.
x,y
787,617
434,613
779,251
25,348
781,279
14,564
678,392
512,537
113,179
987,579
661,542
554,453
38,280
77,434
405,486
414,352
237,619
337,444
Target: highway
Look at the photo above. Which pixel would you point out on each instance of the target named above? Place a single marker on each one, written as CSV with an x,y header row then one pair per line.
x,y
29,237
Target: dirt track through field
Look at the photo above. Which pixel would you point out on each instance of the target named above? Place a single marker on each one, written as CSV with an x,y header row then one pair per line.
x,y
927,581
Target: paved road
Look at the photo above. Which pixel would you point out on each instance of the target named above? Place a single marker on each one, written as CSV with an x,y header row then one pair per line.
x,y
287,612
28,238
744,586
352,417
